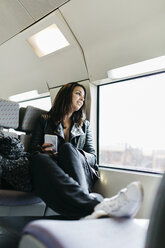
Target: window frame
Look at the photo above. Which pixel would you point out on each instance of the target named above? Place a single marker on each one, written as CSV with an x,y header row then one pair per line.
x,y
111,166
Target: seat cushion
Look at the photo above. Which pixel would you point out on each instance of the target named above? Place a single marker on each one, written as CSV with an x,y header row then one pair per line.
x,y
17,203
106,232
17,198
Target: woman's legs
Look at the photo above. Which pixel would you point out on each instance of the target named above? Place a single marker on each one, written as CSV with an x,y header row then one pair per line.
x,y
60,191
75,165
66,196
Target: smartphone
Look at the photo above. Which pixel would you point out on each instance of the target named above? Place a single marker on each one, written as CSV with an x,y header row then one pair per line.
x,y
52,139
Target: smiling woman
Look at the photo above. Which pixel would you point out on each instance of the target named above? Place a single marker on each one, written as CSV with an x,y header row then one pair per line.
x,y
67,175
73,167
70,100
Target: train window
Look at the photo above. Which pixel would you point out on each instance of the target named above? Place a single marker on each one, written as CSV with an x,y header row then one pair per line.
x,y
33,98
132,123
42,103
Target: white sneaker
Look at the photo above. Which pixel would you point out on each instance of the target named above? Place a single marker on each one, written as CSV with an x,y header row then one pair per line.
x,y
125,204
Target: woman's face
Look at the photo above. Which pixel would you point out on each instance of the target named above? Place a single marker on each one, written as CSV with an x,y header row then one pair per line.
x,y
78,96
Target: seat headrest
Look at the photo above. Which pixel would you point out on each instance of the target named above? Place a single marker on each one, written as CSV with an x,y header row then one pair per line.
x,y
9,114
28,117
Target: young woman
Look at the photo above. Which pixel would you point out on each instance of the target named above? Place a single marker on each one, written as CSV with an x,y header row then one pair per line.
x,y
64,177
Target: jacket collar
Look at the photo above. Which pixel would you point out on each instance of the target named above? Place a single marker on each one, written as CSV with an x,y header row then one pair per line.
x,y
75,131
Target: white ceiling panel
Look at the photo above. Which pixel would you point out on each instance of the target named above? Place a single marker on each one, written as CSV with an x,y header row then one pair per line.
x,y
40,8
21,70
13,19
114,33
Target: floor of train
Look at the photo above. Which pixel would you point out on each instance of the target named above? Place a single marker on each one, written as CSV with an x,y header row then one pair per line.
x,y
11,228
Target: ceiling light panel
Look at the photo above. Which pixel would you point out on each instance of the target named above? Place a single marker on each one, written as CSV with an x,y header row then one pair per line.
x,y
48,41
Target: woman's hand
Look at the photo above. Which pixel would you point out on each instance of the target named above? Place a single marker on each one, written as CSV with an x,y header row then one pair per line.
x,y
48,148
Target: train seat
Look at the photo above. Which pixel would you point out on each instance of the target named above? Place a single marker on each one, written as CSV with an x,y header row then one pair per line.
x,y
27,120
13,202
105,232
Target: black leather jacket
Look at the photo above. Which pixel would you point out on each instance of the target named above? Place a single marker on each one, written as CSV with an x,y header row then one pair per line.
x,y
81,138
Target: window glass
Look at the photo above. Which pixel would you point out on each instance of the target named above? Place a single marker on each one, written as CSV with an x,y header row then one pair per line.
x,y
132,124
42,103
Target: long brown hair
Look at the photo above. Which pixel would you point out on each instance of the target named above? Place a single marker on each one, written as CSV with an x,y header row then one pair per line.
x,y
62,105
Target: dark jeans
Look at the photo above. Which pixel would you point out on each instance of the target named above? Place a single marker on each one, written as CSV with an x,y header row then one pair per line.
x,y
64,185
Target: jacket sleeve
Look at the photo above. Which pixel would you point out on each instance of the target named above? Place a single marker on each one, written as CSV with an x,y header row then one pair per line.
x,y
89,149
37,138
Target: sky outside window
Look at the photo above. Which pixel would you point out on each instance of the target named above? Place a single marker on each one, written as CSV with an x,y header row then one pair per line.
x,y
132,114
